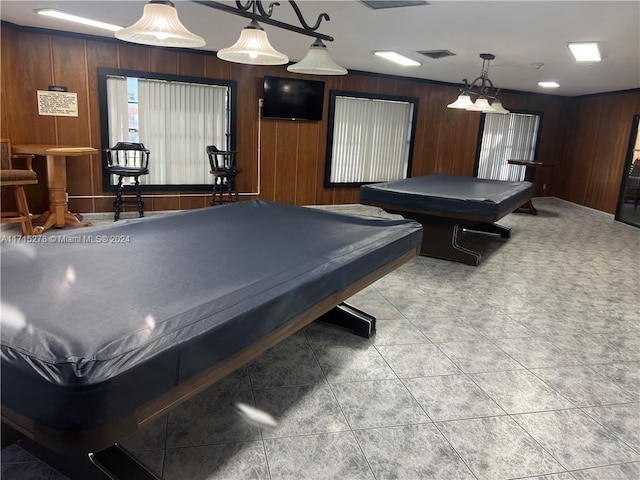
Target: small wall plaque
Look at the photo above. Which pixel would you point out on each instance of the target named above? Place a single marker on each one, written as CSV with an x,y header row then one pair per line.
x,y
59,104
57,88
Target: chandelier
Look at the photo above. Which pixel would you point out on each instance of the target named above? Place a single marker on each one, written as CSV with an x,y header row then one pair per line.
x,y
482,88
160,26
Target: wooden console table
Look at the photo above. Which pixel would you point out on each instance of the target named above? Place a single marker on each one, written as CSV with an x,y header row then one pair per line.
x,y
529,176
58,214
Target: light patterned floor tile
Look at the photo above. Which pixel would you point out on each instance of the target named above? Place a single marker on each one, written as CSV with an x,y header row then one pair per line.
x,y
478,356
496,447
623,420
519,391
417,360
576,440
411,452
329,455
378,404
301,410
230,461
582,385
452,397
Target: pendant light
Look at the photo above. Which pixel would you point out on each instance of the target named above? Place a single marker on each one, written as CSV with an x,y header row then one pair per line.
x,y
253,48
483,88
317,61
160,26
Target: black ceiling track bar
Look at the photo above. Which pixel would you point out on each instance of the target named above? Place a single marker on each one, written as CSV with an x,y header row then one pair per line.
x,y
264,16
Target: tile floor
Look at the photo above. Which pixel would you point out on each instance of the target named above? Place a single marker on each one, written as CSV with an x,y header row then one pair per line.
x,y
527,366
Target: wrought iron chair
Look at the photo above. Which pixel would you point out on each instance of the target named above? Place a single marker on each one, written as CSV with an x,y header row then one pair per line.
x,y
15,179
224,171
127,160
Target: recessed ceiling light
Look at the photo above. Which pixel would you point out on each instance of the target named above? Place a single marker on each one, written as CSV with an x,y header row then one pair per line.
x,y
397,58
549,84
585,51
50,12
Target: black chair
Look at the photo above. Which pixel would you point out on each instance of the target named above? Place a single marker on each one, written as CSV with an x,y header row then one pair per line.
x,y
127,160
224,171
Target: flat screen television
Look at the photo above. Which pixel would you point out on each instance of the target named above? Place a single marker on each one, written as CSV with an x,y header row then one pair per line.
x,y
292,98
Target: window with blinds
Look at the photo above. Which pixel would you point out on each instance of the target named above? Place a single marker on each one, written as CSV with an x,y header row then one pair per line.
x,y
175,117
506,137
370,138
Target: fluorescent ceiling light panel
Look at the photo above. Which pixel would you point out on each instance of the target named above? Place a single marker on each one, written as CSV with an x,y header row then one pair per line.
x,y
50,12
397,58
549,84
585,51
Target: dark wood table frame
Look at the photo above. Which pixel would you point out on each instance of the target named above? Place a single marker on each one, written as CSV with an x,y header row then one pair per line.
x,y
529,176
441,229
78,453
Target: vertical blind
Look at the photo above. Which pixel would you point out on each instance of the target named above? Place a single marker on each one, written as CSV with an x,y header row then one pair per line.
x,y
118,110
507,137
371,140
176,123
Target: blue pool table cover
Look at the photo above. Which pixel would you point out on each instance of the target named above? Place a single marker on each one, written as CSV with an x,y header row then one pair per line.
x,y
91,330
449,195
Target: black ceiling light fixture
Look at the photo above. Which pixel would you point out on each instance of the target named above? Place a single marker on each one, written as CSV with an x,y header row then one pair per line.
x,y
482,87
160,26
253,46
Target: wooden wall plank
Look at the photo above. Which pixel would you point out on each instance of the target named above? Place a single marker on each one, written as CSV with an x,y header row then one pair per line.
x,y
163,60
70,70
134,57
99,54
307,163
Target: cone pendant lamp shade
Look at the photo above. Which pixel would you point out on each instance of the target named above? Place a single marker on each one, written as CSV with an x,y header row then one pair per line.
x,y
480,105
253,48
317,61
498,108
463,101
161,27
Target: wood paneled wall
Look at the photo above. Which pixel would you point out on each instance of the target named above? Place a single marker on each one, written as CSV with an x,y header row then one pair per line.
x,y
592,173
283,160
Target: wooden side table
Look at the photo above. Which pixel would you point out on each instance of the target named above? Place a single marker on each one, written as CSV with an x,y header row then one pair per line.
x,y
529,176
58,214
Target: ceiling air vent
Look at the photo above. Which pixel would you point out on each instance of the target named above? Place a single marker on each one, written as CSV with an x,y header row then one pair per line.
x,y
435,54
377,5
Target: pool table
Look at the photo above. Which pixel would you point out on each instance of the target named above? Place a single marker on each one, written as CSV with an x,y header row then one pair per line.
x,y
107,328
444,204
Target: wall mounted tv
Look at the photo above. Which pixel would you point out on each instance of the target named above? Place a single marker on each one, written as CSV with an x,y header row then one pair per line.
x,y
292,98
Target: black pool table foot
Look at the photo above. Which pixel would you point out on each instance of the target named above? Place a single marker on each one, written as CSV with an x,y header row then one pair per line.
x,y
493,228
349,317
113,463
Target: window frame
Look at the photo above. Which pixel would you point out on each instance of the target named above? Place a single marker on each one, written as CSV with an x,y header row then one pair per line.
x,y
104,73
333,94
538,113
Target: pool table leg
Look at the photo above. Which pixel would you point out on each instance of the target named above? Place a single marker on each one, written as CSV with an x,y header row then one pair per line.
x,y
440,240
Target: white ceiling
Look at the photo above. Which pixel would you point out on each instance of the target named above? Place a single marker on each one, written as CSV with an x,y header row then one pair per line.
x,y
520,34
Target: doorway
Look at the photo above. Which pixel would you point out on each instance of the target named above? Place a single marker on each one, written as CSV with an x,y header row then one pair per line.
x,y
628,210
